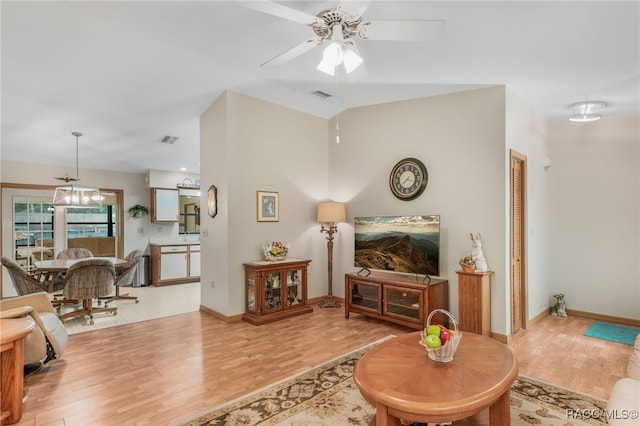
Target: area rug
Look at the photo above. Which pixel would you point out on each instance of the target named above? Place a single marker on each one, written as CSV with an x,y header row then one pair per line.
x,y
326,395
613,332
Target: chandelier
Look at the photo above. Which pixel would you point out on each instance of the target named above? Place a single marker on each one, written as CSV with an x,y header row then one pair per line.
x,y
74,195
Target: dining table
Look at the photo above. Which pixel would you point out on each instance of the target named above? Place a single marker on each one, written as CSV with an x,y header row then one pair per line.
x,y
62,265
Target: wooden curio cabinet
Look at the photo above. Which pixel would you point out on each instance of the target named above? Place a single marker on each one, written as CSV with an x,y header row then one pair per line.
x,y
275,290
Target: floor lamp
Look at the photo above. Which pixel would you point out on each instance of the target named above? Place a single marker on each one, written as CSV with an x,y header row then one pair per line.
x,y
329,214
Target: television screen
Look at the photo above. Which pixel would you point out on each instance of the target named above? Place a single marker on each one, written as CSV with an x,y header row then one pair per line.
x,y
398,243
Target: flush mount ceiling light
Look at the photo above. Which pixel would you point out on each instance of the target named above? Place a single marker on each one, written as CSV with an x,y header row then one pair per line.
x,y
72,195
583,112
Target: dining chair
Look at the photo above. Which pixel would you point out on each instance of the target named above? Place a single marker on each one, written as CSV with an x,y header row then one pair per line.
x,y
70,253
74,253
24,283
86,280
125,275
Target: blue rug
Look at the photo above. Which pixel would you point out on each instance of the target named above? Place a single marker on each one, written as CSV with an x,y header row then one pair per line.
x,y
613,332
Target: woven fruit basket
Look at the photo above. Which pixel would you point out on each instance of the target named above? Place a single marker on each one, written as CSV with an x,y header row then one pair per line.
x,y
445,352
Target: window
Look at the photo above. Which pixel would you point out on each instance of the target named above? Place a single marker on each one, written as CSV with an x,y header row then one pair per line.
x,y
33,225
91,222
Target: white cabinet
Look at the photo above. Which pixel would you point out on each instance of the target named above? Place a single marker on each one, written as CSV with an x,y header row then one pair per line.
x,y
174,263
165,205
194,261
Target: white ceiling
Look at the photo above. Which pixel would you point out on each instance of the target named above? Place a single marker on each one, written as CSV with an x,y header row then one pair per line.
x,y
128,73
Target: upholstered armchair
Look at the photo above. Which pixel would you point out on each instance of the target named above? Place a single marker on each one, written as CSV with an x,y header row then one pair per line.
x,y
125,276
86,280
46,343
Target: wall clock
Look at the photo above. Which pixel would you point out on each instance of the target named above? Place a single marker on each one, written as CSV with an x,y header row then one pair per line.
x,y
408,179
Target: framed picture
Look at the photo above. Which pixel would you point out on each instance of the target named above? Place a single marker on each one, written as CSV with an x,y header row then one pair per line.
x,y
268,206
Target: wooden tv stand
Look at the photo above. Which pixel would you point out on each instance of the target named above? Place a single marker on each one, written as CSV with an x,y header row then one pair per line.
x,y
399,298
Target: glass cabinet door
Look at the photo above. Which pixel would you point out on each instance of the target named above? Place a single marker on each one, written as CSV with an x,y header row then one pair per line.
x,y
294,287
366,296
403,303
272,291
251,291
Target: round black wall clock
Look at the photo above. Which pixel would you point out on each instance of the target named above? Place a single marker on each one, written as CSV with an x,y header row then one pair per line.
x,y
408,179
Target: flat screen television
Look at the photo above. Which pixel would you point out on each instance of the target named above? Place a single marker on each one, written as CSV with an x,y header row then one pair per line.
x,y
408,244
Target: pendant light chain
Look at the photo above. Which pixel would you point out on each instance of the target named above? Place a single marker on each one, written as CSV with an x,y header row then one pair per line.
x,y
77,135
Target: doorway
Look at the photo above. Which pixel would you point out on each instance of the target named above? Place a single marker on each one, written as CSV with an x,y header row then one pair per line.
x,y
518,284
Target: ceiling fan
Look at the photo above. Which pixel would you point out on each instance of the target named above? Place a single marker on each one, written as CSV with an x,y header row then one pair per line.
x,y
341,28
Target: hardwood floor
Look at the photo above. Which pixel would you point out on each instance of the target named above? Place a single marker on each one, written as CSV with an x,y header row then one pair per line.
x,y
162,371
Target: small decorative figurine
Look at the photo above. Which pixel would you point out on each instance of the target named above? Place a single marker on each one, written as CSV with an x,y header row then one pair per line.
x,y
477,255
560,308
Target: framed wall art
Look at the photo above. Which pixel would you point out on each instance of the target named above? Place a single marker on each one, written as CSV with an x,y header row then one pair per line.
x,y
268,206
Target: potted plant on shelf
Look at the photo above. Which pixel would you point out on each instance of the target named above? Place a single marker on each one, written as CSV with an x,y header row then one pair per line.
x,y
138,210
468,264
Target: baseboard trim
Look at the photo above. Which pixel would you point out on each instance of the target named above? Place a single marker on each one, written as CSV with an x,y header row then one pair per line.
x,y
605,318
538,318
225,318
317,300
500,337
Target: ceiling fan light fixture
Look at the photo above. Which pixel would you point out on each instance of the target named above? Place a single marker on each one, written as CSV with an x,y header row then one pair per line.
x,y
351,59
326,68
584,112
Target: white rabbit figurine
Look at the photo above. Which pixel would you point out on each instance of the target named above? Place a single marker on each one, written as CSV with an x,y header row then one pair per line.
x,y
477,255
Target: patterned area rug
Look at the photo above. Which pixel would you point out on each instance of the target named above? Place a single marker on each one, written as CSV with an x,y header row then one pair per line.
x,y
326,395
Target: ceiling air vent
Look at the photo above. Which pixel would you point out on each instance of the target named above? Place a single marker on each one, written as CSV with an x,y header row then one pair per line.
x,y
322,94
169,139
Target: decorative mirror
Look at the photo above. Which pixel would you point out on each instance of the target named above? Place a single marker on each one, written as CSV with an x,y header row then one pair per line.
x,y
189,211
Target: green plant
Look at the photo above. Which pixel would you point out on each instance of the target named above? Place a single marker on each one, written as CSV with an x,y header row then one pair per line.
x,y
138,210
468,260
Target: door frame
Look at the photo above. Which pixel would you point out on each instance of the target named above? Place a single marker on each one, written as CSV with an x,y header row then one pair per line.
x,y
30,187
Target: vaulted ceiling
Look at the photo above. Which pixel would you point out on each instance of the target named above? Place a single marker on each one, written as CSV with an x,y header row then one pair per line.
x,y
128,73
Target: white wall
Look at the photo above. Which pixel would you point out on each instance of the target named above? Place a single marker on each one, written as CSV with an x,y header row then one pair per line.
x,y
525,133
594,207
460,138
249,145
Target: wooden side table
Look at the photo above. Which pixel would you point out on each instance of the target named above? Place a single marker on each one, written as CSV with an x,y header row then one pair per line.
x,y
13,332
474,302
399,379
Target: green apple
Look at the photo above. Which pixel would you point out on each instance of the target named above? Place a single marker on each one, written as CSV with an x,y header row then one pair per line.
x,y
432,341
433,330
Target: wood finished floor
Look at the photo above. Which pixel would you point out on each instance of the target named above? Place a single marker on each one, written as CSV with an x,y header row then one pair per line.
x,y
162,371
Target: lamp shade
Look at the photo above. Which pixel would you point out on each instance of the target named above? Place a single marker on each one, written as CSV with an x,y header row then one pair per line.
x,y
331,212
77,196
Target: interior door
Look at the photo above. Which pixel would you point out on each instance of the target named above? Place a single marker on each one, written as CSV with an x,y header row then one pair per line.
x,y
517,242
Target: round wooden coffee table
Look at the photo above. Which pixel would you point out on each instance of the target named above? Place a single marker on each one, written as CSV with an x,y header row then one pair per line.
x,y
400,380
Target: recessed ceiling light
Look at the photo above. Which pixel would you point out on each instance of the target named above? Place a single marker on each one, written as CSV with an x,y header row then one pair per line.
x,y
183,169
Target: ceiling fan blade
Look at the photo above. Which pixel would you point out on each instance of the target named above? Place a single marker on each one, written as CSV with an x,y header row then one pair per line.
x,y
281,11
297,50
354,7
66,178
401,30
